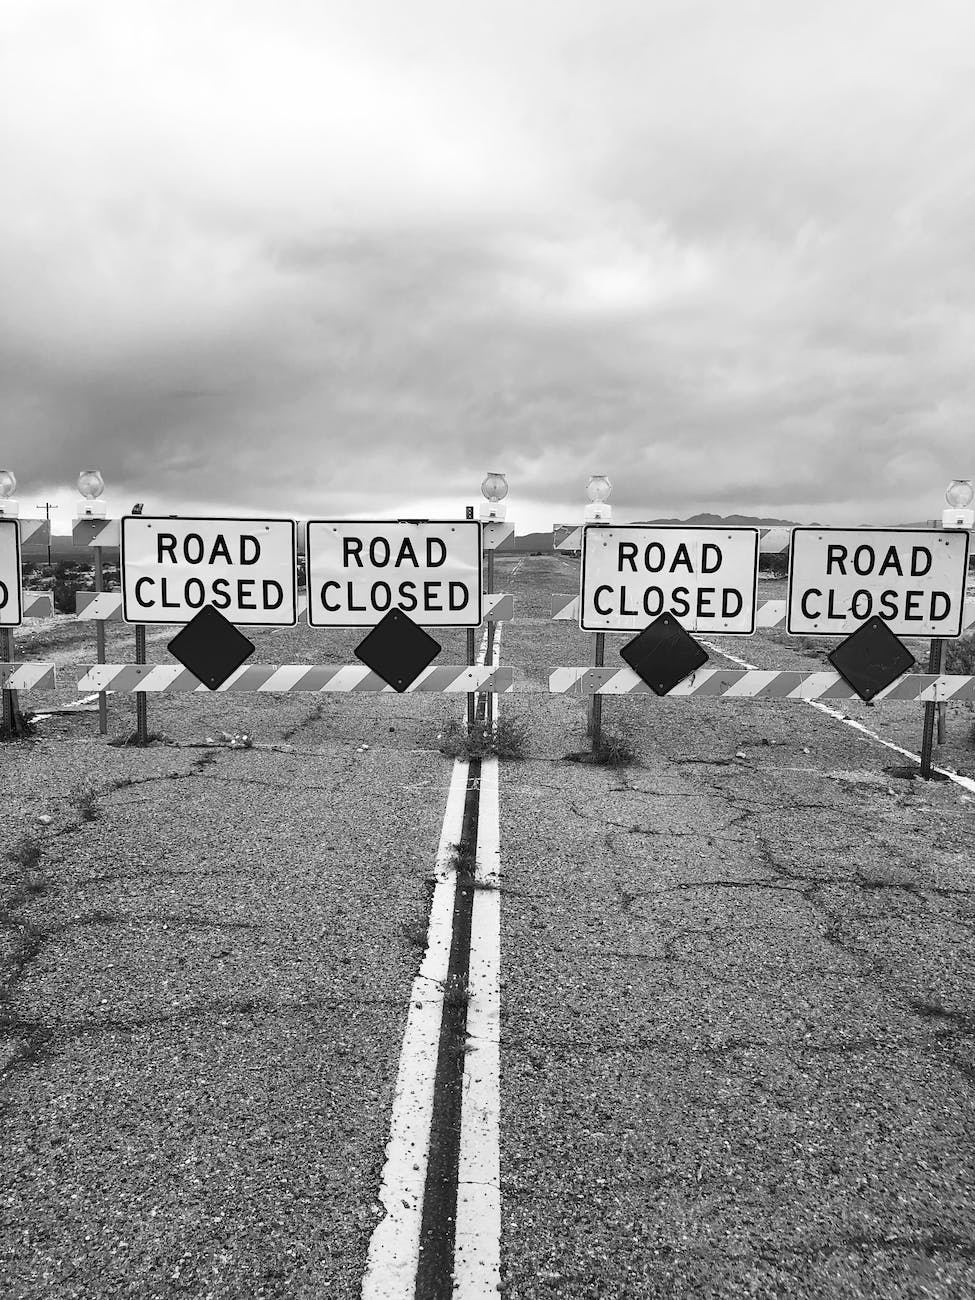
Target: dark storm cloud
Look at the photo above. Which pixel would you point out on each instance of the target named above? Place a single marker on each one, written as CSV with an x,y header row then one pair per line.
x,y
332,260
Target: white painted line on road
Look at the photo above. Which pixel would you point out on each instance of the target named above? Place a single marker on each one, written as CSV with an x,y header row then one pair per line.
x,y
477,1248
964,781
394,1249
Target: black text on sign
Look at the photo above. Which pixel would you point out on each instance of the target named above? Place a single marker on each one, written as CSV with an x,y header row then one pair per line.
x,y
245,568
913,579
706,578
359,570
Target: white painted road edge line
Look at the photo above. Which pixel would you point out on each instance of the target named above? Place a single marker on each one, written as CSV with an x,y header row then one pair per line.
x,y
394,1248
964,781
477,1238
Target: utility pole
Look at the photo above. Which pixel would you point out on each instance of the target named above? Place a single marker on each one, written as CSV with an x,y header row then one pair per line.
x,y
48,507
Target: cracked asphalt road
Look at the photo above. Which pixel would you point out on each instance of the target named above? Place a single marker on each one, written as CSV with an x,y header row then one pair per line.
x,y
737,1044
207,956
737,1054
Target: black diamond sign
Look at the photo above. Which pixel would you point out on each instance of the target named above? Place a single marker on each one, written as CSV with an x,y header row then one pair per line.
x,y
871,658
211,647
663,654
397,650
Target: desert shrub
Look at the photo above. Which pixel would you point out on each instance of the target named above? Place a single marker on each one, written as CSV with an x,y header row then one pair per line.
x,y
960,656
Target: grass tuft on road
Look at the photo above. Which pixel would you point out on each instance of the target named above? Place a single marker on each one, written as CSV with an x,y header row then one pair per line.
x,y
505,739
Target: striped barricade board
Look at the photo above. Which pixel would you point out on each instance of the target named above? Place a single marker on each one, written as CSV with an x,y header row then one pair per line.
x,y
498,607
38,604
446,678
104,533
567,537
107,606
28,677
761,684
34,532
496,535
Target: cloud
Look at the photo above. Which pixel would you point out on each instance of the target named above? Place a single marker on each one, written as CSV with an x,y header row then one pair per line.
x,y
317,255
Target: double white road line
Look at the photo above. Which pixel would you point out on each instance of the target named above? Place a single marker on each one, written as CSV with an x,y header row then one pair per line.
x,y
440,1190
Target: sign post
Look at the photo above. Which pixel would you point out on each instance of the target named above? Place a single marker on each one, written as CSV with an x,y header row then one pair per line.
x,y
11,616
471,659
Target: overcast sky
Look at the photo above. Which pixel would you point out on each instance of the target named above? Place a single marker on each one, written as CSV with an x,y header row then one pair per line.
x,y
321,258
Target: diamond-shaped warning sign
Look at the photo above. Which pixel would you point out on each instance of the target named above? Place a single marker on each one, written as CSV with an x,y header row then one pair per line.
x,y
211,647
871,658
663,654
397,650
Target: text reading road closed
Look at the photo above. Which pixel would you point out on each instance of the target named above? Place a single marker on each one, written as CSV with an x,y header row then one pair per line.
x,y
913,579
245,568
359,570
11,595
705,577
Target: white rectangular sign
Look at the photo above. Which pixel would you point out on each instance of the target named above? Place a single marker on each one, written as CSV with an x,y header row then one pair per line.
x,y
245,568
360,569
11,588
914,579
632,573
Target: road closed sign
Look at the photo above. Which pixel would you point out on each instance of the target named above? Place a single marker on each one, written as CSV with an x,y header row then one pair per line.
x,y
245,568
11,592
914,579
705,577
360,569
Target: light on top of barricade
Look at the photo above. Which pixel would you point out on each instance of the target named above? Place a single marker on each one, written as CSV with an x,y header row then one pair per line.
x,y
91,484
960,493
598,488
494,487
9,508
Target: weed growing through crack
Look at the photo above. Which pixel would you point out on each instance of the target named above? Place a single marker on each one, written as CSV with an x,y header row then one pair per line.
x,y
132,739
84,797
463,858
26,853
456,991
614,750
507,738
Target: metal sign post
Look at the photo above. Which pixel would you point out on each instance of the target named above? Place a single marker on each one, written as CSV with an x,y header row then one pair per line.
x,y
100,645
489,647
930,710
596,700
471,659
141,718
11,613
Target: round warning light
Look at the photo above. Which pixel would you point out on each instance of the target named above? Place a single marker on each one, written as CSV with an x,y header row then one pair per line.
x,y
90,484
598,488
494,487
